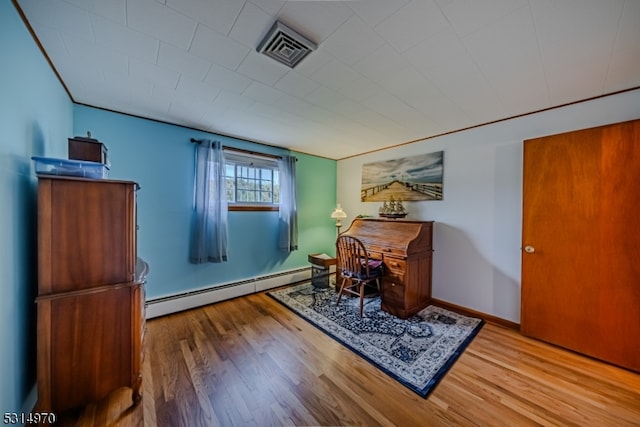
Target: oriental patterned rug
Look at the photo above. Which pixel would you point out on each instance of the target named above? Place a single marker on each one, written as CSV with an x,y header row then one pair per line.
x,y
417,351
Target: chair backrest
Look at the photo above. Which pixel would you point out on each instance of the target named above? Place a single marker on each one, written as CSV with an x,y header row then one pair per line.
x,y
353,260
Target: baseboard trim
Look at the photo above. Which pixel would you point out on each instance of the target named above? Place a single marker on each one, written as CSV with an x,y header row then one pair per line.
x,y
484,316
163,306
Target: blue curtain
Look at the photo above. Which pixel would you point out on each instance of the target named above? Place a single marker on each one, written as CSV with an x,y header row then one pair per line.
x,y
288,211
209,226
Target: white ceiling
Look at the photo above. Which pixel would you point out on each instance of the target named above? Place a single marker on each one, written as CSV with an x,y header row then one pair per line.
x,y
385,72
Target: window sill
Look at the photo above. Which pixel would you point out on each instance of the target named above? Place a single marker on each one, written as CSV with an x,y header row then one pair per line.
x,y
247,208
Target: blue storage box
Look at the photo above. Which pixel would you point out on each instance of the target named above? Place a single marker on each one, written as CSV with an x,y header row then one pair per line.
x,y
52,166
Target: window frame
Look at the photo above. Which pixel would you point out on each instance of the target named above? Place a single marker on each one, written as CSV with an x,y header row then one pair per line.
x,y
240,157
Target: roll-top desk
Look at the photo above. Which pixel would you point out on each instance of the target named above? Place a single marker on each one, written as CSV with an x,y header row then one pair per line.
x,y
405,247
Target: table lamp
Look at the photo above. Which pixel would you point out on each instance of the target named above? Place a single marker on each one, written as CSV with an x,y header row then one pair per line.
x,y
338,214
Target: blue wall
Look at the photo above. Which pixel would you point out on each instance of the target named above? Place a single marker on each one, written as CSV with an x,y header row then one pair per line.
x,y
36,118
159,157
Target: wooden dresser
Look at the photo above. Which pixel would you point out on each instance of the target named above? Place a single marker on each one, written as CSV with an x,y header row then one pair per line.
x,y
405,247
90,299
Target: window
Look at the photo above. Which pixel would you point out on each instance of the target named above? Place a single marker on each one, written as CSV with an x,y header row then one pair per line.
x,y
252,182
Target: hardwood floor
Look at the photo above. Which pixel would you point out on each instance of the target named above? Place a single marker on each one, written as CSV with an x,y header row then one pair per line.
x,y
252,362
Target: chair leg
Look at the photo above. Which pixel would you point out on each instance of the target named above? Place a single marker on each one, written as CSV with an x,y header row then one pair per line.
x,y
362,285
344,279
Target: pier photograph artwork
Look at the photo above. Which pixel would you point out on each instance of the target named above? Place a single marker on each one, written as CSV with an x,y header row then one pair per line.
x,y
414,178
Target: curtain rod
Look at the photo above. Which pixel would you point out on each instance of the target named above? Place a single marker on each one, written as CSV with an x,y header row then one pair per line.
x,y
240,150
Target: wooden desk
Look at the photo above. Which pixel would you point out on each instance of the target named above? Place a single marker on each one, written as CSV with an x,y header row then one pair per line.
x,y
405,247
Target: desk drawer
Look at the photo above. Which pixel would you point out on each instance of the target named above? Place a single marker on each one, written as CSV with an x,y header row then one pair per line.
x,y
396,265
392,292
395,269
374,255
397,277
387,250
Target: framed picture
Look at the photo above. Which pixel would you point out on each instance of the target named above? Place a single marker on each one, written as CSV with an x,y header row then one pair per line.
x,y
414,178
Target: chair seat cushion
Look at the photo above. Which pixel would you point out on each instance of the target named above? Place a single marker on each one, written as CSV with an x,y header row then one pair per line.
x,y
374,263
375,270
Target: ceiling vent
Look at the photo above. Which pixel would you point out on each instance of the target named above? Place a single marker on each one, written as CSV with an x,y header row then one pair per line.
x,y
285,45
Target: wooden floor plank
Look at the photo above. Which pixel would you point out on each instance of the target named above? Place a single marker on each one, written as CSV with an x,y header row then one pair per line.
x,y
252,362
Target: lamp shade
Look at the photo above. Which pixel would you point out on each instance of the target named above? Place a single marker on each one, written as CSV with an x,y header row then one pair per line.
x,y
338,213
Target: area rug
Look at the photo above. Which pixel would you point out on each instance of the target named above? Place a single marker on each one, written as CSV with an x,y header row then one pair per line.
x,y
417,351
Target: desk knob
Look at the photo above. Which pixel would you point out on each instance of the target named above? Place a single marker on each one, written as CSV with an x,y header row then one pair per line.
x,y
529,249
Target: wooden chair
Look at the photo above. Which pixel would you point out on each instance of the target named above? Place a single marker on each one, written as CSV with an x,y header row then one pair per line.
x,y
356,267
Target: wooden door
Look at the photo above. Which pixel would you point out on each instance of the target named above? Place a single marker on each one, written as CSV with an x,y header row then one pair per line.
x,y
581,237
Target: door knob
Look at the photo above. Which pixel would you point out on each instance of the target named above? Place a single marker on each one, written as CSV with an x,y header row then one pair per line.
x,y
529,249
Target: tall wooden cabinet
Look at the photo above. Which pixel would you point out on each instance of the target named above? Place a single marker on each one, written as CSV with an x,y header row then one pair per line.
x,y
90,293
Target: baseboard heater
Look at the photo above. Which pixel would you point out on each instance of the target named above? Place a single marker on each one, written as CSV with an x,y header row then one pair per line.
x,y
162,306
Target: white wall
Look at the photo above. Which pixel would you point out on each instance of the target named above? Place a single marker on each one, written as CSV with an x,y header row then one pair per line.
x,y
477,235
